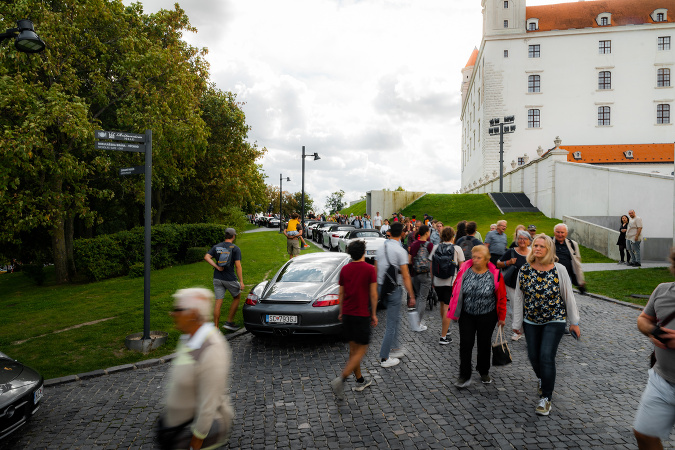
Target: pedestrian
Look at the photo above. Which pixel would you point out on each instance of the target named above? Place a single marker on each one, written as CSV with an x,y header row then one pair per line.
x,y
511,262
468,241
478,303
621,242
225,257
493,227
543,303
634,238
568,255
385,227
436,228
367,223
461,230
656,413
495,241
197,408
377,221
293,233
420,262
391,253
514,243
445,253
358,312
532,229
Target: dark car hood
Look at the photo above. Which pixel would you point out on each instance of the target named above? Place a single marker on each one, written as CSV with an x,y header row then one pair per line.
x,y
14,375
293,291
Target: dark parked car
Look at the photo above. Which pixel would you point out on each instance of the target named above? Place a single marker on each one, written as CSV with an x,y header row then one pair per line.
x,y
302,298
21,390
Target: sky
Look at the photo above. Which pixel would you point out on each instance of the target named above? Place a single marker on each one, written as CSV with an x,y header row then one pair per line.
x,y
372,86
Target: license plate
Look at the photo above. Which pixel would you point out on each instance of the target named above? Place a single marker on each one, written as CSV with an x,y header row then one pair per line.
x,y
37,395
281,319
371,252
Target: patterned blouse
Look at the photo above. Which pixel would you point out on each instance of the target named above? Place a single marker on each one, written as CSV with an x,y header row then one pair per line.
x,y
541,296
479,292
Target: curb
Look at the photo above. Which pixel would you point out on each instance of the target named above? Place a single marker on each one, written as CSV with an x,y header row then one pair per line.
x,y
611,300
126,367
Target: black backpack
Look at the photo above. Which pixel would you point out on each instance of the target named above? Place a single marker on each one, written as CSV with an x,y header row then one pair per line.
x,y
443,263
390,282
466,244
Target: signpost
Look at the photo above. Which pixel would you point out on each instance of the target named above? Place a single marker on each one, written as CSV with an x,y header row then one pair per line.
x,y
134,142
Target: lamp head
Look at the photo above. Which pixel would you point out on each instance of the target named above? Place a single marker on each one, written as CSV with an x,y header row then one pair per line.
x,y
509,119
288,178
316,156
27,40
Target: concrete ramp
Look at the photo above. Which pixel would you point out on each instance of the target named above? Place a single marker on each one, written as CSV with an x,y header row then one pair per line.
x,y
512,202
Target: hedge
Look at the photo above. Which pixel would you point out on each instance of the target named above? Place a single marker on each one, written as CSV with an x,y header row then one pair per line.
x,y
113,255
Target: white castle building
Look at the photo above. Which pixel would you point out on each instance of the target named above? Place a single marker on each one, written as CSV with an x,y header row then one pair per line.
x,y
595,73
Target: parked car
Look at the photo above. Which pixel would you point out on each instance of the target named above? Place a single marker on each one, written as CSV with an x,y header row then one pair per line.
x,y
374,240
317,235
21,390
331,236
309,227
301,298
273,222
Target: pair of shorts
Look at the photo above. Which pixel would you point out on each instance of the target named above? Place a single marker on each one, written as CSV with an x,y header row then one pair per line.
x,y
444,293
356,329
293,247
220,286
656,413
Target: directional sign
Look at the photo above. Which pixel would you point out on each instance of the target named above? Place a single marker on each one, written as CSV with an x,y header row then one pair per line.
x,y
132,170
120,136
123,146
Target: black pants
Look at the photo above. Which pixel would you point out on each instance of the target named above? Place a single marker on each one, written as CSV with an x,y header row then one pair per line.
x,y
622,249
475,328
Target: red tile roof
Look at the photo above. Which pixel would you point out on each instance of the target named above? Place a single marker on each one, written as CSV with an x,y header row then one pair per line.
x,y
563,16
472,58
608,154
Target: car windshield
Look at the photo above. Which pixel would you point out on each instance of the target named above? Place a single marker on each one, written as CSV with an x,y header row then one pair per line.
x,y
307,271
345,228
365,234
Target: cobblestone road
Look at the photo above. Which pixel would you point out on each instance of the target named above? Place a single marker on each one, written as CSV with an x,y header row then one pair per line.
x,y
283,399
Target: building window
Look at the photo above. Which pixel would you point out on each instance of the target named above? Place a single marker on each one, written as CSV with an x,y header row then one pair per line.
x,y
521,160
506,53
605,47
660,17
664,43
533,83
663,78
532,26
506,24
663,113
533,51
506,5
604,21
533,118
605,80
604,115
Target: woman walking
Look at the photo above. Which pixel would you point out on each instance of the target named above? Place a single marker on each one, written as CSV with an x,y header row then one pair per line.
x,y
511,262
478,303
622,240
544,296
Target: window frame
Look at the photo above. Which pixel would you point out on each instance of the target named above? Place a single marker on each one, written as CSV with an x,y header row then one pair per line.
x,y
604,80
660,17
534,118
663,77
663,114
534,51
605,47
506,23
604,21
604,116
506,4
506,53
663,43
533,84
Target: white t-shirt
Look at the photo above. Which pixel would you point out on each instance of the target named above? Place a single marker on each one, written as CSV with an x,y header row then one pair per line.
x,y
396,255
377,221
633,225
459,259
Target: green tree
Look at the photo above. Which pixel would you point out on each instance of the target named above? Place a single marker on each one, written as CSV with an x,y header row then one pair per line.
x,y
334,202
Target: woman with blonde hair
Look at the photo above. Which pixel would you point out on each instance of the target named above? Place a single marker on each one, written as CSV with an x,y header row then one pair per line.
x,y
545,298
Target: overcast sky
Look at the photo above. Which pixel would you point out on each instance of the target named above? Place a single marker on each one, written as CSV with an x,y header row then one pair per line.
x,y
372,86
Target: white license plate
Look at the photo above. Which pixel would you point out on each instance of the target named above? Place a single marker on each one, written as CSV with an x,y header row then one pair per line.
x,y
281,319
37,395
371,252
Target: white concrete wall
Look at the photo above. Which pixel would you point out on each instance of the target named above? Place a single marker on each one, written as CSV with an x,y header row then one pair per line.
x,y
593,236
389,202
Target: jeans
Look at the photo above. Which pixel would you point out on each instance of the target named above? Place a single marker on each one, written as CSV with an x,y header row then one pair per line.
x,y
421,285
634,250
542,346
475,328
390,339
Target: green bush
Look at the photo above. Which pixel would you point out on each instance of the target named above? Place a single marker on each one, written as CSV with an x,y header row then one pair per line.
x,y
35,272
195,254
136,270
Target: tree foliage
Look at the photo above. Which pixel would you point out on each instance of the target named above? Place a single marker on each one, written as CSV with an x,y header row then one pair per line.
x,y
335,201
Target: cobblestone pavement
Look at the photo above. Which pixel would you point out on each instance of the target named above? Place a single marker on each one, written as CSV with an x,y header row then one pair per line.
x,y
281,392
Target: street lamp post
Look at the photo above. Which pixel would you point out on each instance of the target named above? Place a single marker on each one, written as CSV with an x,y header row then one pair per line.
x,y
502,128
25,38
281,221
302,211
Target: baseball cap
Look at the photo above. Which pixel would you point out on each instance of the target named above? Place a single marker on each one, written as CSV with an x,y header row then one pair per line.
x,y
230,231
532,228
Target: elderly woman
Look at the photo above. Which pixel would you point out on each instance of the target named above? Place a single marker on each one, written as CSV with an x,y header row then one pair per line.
x,y
478,303
512,261
544,295
198,413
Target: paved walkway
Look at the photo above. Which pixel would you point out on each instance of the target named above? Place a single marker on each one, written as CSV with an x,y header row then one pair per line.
x,y
283,399
597,267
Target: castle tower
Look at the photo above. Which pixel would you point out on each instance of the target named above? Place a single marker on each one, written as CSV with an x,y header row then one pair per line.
x,y
503,17
467,71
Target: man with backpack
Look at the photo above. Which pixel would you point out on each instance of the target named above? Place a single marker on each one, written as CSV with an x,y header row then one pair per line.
x,y
420,250
467,242
445,261
392,271
225,257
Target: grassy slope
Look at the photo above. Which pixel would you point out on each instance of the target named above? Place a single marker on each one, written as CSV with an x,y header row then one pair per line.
x,y
358,209
28,311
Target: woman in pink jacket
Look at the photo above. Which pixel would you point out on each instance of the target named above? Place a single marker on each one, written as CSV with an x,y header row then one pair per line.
x,y
478,303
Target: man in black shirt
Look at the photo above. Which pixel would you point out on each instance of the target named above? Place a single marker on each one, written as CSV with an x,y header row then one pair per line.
x,y
225,257
568,255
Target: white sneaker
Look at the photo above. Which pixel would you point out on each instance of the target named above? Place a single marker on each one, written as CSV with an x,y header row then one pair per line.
x,y
544,407
516,336
421,328
390,362
361,386
398,353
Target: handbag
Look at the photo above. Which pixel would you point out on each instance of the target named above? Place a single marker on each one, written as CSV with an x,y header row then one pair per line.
x,y
166,436
501,355
510,274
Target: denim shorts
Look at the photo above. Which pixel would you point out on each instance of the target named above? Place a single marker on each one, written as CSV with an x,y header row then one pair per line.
x,y
656,414
220,286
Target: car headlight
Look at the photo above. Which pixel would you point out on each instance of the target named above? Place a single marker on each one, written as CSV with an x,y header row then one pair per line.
x,y
327,300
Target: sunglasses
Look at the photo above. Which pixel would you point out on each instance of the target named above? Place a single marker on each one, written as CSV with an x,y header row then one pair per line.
x,y
177,310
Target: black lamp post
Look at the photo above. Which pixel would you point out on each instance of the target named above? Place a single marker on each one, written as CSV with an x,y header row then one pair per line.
x,y
497,128
25,38
302,213
281,214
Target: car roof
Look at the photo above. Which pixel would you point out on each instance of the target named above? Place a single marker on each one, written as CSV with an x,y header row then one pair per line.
x,y
319,256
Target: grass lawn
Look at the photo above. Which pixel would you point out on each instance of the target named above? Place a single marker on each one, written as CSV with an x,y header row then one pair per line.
x,y
620,284
37,315
358,209
452,208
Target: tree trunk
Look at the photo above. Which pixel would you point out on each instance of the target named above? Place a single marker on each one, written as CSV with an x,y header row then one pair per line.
x,y
159,207
59,239
69,231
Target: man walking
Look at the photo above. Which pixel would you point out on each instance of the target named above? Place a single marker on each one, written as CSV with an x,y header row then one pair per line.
x,y
421,263
634,238
293,233
358,308
225,257
392,254
495,241
377,221
568,255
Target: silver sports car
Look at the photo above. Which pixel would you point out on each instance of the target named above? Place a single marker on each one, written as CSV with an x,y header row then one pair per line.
x,y
302,298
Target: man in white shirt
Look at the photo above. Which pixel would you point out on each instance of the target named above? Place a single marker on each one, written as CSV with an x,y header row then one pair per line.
x,y
634,238
377,221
